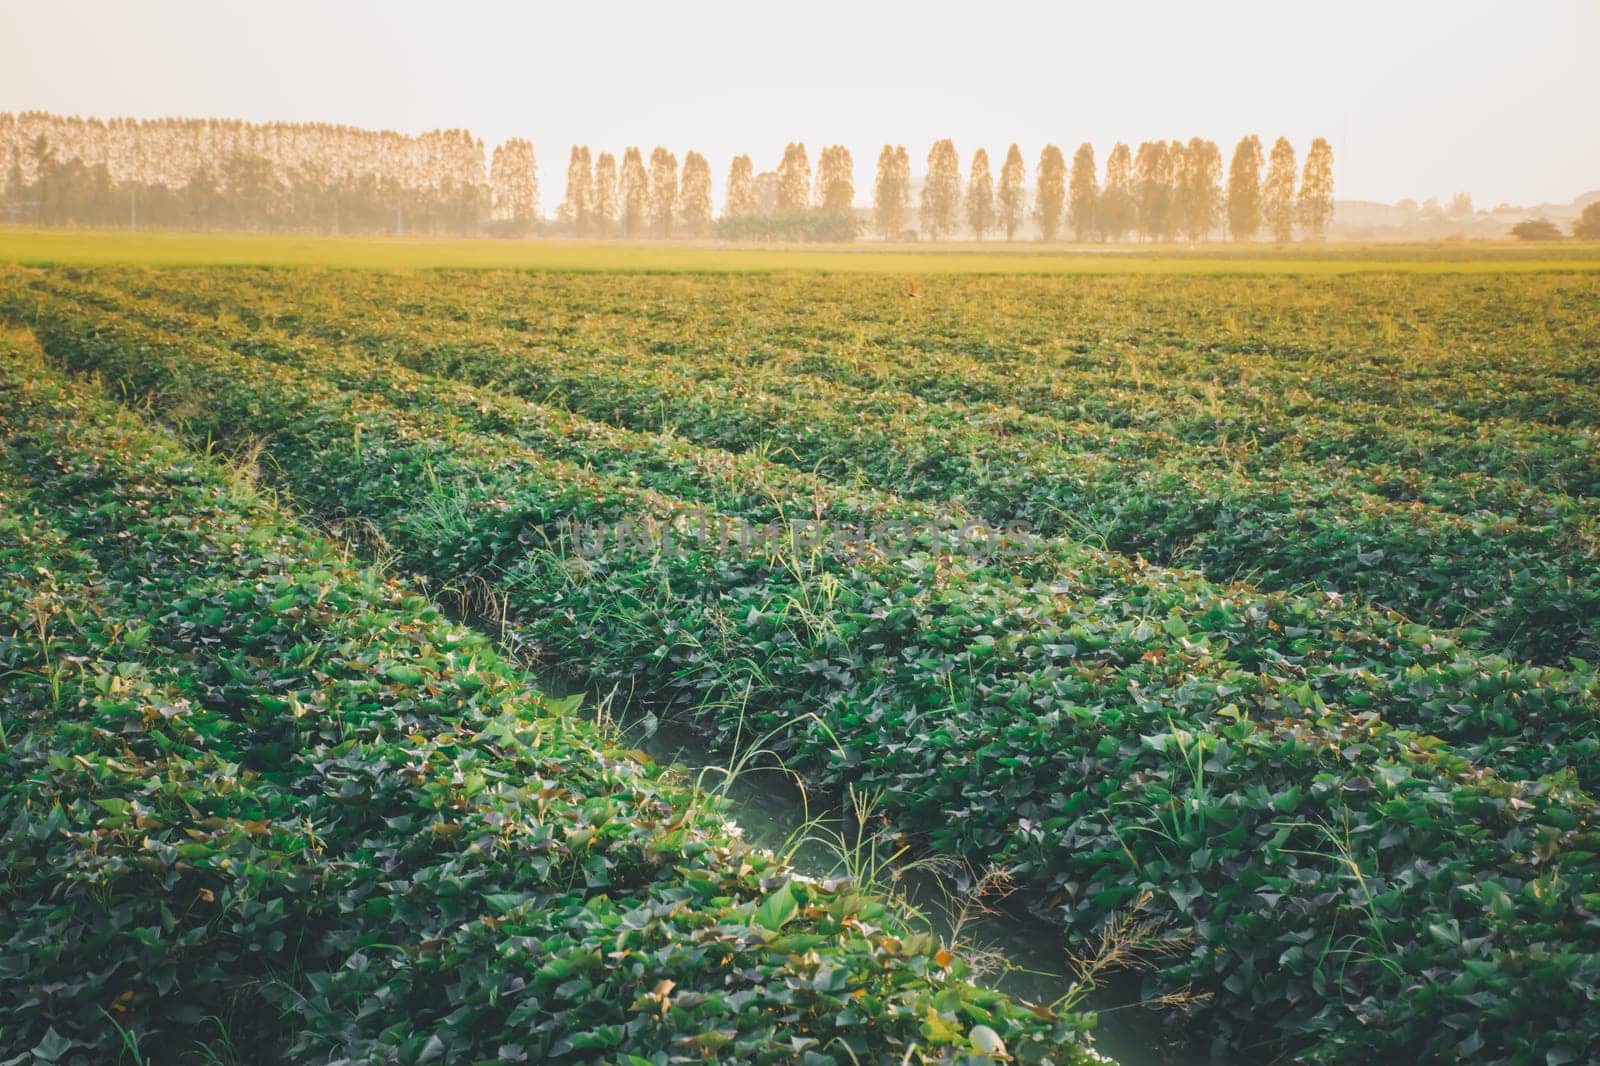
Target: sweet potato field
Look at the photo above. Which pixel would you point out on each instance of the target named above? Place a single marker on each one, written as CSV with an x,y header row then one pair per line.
x,y
1260,611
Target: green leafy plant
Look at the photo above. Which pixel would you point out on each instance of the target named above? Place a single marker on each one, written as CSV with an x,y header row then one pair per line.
x,y
1117,735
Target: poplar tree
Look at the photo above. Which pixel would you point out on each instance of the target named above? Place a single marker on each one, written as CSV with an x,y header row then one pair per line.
x,y
891,193
941,190
885,218
980,196
902,177
694,200
1199,188
1013,201
663,191
741,188
766,192
794,179
836,185
1051,194
1152,188
1277,192
1083,194
586,178
577,207
1175,152
514,182
1244,189
1316,190
605,195
1117,207
633,193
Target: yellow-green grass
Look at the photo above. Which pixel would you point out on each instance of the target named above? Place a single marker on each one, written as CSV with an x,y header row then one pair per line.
x,y
91,248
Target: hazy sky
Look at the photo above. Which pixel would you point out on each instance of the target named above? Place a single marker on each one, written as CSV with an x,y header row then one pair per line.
x,y
1419,99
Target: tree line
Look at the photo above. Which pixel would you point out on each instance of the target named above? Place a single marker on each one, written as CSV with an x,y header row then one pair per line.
x,y
212,173
1163,191
604,199
182,173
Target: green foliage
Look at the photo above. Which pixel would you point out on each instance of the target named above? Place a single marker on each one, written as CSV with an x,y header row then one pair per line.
x,y
255,790
1342,805
1387,497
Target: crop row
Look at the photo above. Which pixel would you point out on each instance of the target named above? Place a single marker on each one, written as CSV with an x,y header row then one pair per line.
x,y
239,765
1124,730
1411,675
763,491
265,801
747,484
1515,565
1145,365
1440,351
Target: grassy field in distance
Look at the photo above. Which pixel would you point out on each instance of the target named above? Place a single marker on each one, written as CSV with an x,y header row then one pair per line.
x,y
89,248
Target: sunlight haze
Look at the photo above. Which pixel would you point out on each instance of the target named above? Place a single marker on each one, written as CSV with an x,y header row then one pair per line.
x,y
1053,534
1418,100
